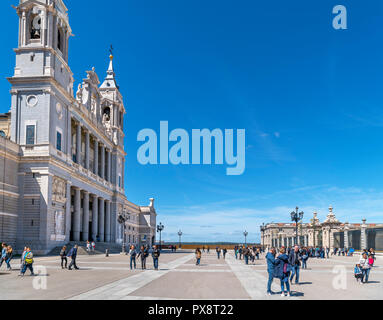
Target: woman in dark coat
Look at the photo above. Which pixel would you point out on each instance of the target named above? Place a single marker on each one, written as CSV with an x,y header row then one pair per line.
x,y
282,271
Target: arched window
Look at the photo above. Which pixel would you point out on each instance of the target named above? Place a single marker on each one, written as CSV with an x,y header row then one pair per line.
x,y
35,26
60,39
106,112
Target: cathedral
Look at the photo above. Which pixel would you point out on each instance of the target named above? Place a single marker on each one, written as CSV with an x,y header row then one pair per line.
x,y
62,157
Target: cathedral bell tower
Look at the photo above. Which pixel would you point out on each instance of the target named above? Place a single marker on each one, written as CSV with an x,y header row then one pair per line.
x,y
42,84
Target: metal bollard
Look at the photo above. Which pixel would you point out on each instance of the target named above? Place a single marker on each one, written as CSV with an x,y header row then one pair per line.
x,y
107,253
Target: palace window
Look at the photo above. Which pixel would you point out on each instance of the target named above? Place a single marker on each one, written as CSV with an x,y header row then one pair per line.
x,y
58,141
30,134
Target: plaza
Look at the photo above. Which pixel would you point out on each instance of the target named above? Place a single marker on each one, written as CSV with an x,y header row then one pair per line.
x,y
110,278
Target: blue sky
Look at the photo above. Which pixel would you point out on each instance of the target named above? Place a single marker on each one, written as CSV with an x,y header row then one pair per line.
x,y
310,98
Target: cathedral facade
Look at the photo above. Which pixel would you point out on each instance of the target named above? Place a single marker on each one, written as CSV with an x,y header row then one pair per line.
x,y
63,159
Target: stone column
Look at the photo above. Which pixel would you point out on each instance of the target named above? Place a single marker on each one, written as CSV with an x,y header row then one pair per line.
x,y
101,219
107,221
78,144
346,228
102,173
363,235
68,213
95,157
94,217
77,214
85,218
69,136
109,168
87,149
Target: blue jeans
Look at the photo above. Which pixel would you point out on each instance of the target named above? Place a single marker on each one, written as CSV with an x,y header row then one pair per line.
x,y
8,262
132,261
304,264
236,255
198,261
271,277
246,259
27,266
366,274
155,262
295,272
218,254
285,281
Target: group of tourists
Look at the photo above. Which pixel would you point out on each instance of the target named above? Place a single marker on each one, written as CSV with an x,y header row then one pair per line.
x,y
363,268
72,254
26,260
248,254
143,253
286,265
90,246
173,248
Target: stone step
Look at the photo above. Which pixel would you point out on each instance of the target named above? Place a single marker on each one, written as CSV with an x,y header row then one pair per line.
x,y
100,248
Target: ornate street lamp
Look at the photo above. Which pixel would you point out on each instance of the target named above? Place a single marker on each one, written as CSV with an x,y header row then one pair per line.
x,y
121,220
180,235
263,229
160,227
245,234
296,217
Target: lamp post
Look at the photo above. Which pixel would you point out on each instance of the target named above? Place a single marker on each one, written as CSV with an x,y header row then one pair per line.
x,y
263,229
121,220
296,217
160,227
180,235
245,234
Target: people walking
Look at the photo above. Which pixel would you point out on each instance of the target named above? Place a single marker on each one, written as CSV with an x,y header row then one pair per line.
x,y
9,257
63,255
358,274
270,259
3,253
198,255
88,247
224,251
246,253
282,272
133,255
218,250
73,255
143,254
365,266
155,255
294,260
28,262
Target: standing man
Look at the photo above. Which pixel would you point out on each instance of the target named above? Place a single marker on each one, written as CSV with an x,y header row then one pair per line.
x,y
155,254
270,258
73,255
224,251
294,261
133,254
143,254
246,253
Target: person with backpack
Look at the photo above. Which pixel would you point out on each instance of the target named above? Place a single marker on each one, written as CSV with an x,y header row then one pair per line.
x,y
270,259
294,261
133,255
28,262
73,255
9,257
143,254
63,257
155,255
282,271
198,256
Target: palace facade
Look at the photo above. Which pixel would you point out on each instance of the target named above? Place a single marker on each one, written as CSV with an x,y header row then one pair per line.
x,y
62,157
331,233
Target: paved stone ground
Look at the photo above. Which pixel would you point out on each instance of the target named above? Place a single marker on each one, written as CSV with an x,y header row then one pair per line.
x,y
108,278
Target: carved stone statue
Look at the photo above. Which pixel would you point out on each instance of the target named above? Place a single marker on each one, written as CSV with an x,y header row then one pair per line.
x,y
79,93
